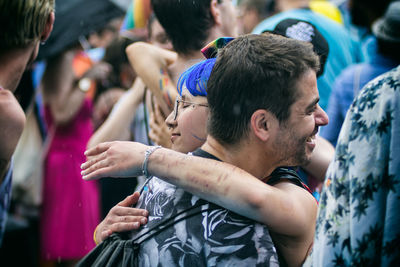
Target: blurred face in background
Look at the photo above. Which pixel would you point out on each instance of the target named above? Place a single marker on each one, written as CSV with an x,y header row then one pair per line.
x,y
158,37
104,36
228,18
247,19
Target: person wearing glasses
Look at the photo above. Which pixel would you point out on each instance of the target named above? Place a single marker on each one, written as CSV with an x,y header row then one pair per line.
x,y
252,242
292,230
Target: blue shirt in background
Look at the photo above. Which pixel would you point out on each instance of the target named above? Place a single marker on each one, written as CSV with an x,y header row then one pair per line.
x,y
347,86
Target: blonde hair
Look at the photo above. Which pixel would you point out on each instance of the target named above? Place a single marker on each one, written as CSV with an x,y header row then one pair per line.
x,y
23,21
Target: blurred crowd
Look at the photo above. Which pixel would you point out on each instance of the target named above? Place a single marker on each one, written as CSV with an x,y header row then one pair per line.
x,y
95,71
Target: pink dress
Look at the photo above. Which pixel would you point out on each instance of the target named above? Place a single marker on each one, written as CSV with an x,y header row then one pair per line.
x,y
70,209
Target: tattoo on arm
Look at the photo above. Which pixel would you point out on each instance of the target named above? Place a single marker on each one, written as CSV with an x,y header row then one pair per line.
x,y
164,81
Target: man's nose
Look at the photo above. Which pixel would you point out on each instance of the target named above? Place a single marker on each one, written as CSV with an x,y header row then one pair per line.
x,y
321,118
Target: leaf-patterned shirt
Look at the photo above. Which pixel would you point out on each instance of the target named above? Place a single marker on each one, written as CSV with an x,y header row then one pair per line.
x,y
358,222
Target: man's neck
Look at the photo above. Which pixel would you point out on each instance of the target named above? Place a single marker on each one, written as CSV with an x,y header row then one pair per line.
x,y
13,64
183,62
244,156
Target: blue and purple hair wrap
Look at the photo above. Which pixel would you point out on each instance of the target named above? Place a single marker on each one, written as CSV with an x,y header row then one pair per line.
x,y
196,77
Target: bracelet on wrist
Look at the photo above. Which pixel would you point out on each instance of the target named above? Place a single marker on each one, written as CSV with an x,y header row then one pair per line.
x,y
147,154
94,235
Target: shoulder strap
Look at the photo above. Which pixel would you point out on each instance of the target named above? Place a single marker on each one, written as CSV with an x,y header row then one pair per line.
x,y
199,207
284,173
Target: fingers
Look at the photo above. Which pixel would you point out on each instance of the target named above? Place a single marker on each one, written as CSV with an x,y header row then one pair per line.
x,y
92,160
128,224
136,195
122,211
122,218
153,122
103,235
159,118
117,224
130,200
95,167
120,227
154,137
96,173
100,148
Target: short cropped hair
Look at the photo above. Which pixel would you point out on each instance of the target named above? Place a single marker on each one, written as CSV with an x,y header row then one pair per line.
x,y
23,21
187,23
255,72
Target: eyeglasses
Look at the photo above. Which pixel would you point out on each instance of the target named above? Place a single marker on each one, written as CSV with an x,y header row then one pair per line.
x,y
179,100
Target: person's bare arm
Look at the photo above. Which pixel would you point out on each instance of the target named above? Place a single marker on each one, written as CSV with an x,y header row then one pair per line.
x,y
12,121
150,63
285,209
117,125
320,159
60,85
59,89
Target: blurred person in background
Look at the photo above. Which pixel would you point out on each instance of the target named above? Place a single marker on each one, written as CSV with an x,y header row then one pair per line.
x,y
116,86
187,36
386,56
24,25
189,28
343,50
70,208
252,12
129,119
358,16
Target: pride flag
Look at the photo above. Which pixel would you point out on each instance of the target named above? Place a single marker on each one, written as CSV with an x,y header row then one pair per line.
x,y
137,15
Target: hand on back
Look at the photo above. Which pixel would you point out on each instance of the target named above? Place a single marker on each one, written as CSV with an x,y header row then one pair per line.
x,y
121,218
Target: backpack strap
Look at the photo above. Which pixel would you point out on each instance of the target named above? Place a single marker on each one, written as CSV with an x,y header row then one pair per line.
x,y
168,222
199,207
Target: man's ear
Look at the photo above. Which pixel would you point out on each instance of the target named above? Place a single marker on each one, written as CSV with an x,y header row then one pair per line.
x,y
261,122
48,28
215,12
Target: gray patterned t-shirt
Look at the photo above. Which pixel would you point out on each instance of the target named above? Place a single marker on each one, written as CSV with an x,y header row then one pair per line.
x,y
213,237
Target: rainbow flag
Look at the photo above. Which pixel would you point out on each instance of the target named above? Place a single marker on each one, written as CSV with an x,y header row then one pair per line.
x,y
211,50
137,15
